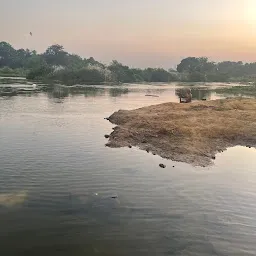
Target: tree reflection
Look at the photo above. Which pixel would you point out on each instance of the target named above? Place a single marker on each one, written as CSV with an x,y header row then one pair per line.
x,y
115,92
58,92
197,93
200,94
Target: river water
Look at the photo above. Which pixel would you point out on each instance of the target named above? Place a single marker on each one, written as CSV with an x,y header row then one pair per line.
x,y
71,195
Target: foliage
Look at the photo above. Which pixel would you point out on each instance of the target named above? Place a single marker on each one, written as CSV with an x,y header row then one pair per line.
x,y
9,72
201,69
80,76
57,64
55,55
248,90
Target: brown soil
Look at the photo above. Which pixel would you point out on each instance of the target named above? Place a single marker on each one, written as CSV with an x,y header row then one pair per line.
x,y
191,133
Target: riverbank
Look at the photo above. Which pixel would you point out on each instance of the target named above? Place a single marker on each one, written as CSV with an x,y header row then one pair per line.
x,y
191,133
242,90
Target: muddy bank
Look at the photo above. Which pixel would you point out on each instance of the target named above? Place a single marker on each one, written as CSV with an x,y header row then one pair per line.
x,y
191,133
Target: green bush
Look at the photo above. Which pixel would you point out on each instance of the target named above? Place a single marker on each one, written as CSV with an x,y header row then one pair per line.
x,y
81,76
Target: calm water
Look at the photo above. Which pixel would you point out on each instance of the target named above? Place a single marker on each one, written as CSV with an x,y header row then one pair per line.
x,y
52,155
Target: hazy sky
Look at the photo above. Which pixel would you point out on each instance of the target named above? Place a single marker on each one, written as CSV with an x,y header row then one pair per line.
x,y
136,32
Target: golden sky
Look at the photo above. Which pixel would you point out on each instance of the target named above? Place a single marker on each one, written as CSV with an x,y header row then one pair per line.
x,y
139,33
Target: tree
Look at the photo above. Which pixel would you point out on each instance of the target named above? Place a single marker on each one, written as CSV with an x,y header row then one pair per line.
x,y
197,77
7,54
188,65
35,61
55,55
80,76
234,69
74,62
56,60
121,73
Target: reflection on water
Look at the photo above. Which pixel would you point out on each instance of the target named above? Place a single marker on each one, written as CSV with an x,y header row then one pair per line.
x,y
200,94
12,199
114,92
71,195
60,92
87,91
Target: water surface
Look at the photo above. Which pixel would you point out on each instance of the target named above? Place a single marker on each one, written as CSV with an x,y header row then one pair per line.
x,y
74,196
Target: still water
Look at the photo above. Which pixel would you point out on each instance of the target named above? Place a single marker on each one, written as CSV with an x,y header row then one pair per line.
x,y
62,192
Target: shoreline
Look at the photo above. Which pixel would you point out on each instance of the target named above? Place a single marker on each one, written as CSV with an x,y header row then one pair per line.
x,y
192,133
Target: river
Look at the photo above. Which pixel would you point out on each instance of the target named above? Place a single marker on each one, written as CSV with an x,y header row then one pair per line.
x,y
62,192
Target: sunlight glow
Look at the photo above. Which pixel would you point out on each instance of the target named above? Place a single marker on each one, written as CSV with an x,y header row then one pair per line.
x,y
250,12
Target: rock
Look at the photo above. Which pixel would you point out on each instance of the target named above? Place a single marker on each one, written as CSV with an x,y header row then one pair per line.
x,y
114,197
213,157
173,166
144,141
106,136
162,165
106,118
147,150
154,154
203,99
130,146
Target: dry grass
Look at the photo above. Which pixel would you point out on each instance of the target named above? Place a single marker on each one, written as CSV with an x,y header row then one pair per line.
x,y
191,133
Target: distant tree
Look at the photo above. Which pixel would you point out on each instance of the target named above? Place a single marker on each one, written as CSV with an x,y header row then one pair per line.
x,y
234,69
35,61
7,54
92,62
189,64
56,63
80,76
40,72
197,77
121,72
74,61
55,55
192,64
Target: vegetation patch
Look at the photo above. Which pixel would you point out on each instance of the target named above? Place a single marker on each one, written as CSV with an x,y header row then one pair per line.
x,y
55,64
191,133
245,90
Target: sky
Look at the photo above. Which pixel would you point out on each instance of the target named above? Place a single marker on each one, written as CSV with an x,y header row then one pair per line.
x,y
138,33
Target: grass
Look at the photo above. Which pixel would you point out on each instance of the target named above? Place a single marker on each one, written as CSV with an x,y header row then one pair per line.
x,y
191,133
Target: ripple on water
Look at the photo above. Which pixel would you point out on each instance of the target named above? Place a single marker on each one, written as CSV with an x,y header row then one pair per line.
x,y
55,152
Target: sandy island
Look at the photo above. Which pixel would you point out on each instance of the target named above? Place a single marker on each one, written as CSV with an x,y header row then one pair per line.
x,y
191,133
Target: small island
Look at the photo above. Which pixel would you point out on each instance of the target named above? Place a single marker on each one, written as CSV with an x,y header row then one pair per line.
x,y
191,133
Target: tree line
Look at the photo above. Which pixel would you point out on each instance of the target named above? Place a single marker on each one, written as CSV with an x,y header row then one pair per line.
x,y
55,64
